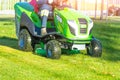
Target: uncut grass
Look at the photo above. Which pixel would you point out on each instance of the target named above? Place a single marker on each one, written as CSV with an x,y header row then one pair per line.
x,y
109,34
19,65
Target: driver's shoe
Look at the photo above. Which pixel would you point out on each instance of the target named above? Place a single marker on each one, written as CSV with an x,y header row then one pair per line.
x,y
43,31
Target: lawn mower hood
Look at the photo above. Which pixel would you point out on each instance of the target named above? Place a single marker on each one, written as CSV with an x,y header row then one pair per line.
x,y
72,24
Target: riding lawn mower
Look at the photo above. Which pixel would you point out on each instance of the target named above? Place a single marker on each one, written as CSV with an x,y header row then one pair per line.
x,y
67,29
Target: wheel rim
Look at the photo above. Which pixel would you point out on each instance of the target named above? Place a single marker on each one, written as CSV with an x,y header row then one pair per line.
x,y
21,43
49,52
96,47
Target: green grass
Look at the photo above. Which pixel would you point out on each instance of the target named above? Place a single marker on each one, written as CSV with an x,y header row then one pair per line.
x,y
19,65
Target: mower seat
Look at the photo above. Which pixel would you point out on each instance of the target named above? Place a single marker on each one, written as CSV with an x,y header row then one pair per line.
x,y
34,4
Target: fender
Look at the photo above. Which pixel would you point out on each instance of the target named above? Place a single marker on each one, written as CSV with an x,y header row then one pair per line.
x,y
26,22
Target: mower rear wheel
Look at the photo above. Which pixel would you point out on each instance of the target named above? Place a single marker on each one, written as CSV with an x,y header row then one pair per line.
x,y
94,48
25,41
53,49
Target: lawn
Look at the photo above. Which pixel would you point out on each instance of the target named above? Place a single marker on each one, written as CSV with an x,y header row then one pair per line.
x,y
18,65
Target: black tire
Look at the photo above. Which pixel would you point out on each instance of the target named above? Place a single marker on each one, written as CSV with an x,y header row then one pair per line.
x,y
25,41
94,49
53,49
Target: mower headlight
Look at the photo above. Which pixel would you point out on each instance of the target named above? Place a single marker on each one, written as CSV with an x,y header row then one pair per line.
x,y
73,27
72,23
90,26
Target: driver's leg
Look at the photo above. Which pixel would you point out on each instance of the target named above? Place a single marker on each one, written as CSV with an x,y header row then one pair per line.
x,y
44,12
44,17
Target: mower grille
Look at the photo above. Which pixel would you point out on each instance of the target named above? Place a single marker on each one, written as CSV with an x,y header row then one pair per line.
x,y
82,21
83,30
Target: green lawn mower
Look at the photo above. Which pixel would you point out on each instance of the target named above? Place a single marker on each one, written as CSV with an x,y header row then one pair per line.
x,y
67,29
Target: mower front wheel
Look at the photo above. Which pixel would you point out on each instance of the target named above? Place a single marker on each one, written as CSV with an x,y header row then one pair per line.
x,y
94,48
25,41
53,49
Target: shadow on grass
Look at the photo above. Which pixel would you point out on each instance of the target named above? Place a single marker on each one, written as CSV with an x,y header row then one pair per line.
x,y
108,34
10,42
7,19
13,43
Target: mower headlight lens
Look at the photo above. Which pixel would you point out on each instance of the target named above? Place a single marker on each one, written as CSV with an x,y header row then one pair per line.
x,y
71,22
73,27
